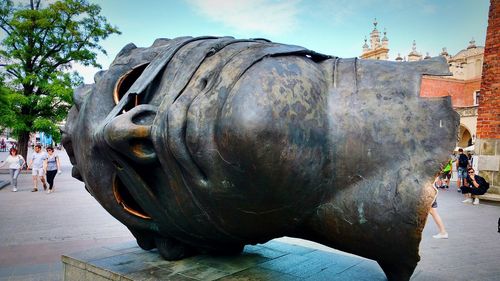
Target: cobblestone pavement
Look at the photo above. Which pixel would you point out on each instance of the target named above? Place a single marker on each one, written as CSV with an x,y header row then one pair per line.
x,y
37,228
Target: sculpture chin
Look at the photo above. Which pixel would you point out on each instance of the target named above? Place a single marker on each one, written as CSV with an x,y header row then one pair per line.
x,y
204,145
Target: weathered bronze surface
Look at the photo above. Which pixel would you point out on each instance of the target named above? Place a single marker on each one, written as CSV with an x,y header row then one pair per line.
x,y
204,145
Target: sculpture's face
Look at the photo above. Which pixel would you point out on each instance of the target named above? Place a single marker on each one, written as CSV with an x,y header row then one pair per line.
x,y
155,169
214,143
87,138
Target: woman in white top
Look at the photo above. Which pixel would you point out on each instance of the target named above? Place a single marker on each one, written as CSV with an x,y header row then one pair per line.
x,y
16,163
51,165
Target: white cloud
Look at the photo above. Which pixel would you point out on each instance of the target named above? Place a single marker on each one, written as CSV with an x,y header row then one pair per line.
x,y
337,11
269,17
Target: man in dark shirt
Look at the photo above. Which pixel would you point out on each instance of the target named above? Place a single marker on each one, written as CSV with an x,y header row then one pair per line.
x,y
475,185
462,165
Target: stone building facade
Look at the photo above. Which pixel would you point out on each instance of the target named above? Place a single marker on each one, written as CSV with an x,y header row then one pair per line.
x,y
463,86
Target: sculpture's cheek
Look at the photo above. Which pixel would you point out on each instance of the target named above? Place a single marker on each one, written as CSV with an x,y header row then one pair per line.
x,y
273,130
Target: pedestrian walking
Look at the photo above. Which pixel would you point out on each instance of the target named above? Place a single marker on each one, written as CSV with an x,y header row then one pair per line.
x,y
446,173
462,165
36,165
52,166
16,163
443,234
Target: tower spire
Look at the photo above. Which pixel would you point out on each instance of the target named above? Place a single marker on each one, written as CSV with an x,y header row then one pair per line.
x,y
366,48
472,44
414,55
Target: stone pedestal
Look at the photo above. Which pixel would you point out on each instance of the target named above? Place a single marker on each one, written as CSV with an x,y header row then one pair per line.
x,y
271,261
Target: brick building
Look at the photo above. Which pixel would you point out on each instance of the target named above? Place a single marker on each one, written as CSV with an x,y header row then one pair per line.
x,y
463,87
488,121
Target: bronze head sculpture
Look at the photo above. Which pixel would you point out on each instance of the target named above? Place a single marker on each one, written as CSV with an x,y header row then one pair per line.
x,y
204,145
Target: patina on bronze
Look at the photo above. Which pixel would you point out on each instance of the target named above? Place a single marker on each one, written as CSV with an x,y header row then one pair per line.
x,y
204,145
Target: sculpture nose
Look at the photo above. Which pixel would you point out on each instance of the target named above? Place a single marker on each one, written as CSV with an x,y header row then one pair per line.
x,y
130,133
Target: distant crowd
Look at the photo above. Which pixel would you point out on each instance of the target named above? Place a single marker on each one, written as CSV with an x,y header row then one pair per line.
x,y
469,183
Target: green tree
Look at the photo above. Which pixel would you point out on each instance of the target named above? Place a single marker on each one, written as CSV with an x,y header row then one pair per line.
x,y
41,42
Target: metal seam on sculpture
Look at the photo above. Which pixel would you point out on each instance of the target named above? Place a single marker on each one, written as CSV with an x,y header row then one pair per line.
x,y
335,71
356,75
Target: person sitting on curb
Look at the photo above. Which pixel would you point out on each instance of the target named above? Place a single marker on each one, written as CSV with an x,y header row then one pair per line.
x,y
475,185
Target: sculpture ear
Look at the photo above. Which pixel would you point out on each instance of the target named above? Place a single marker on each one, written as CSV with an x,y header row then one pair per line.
x,y
80,94
99,75
160,42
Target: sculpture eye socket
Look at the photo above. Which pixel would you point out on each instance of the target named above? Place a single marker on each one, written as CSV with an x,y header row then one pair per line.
x,y
126,200
125,82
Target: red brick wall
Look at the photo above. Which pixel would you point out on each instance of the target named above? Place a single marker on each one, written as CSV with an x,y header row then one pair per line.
x,y
488,121
461,92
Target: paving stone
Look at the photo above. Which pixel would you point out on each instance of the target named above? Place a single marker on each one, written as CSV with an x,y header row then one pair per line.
x,y
154,274
232,264
37,228
260,274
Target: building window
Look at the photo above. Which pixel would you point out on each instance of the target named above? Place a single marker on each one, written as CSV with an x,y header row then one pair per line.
x,y
476,97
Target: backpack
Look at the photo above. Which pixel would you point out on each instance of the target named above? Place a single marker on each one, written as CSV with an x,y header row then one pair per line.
x,y
463,161
483,184
486,185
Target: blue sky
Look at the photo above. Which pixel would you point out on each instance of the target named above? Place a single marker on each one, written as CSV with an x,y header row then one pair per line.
x,y
334,27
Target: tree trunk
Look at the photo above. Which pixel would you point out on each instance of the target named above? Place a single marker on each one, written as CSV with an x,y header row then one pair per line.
x,y
22,144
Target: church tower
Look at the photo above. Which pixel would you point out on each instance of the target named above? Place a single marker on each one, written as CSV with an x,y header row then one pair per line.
x,y
379,48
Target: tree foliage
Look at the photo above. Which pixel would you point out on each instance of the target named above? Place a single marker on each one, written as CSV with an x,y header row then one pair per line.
x,y
41,42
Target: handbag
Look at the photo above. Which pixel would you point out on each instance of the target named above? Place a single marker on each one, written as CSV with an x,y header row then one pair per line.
x,y
21,161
